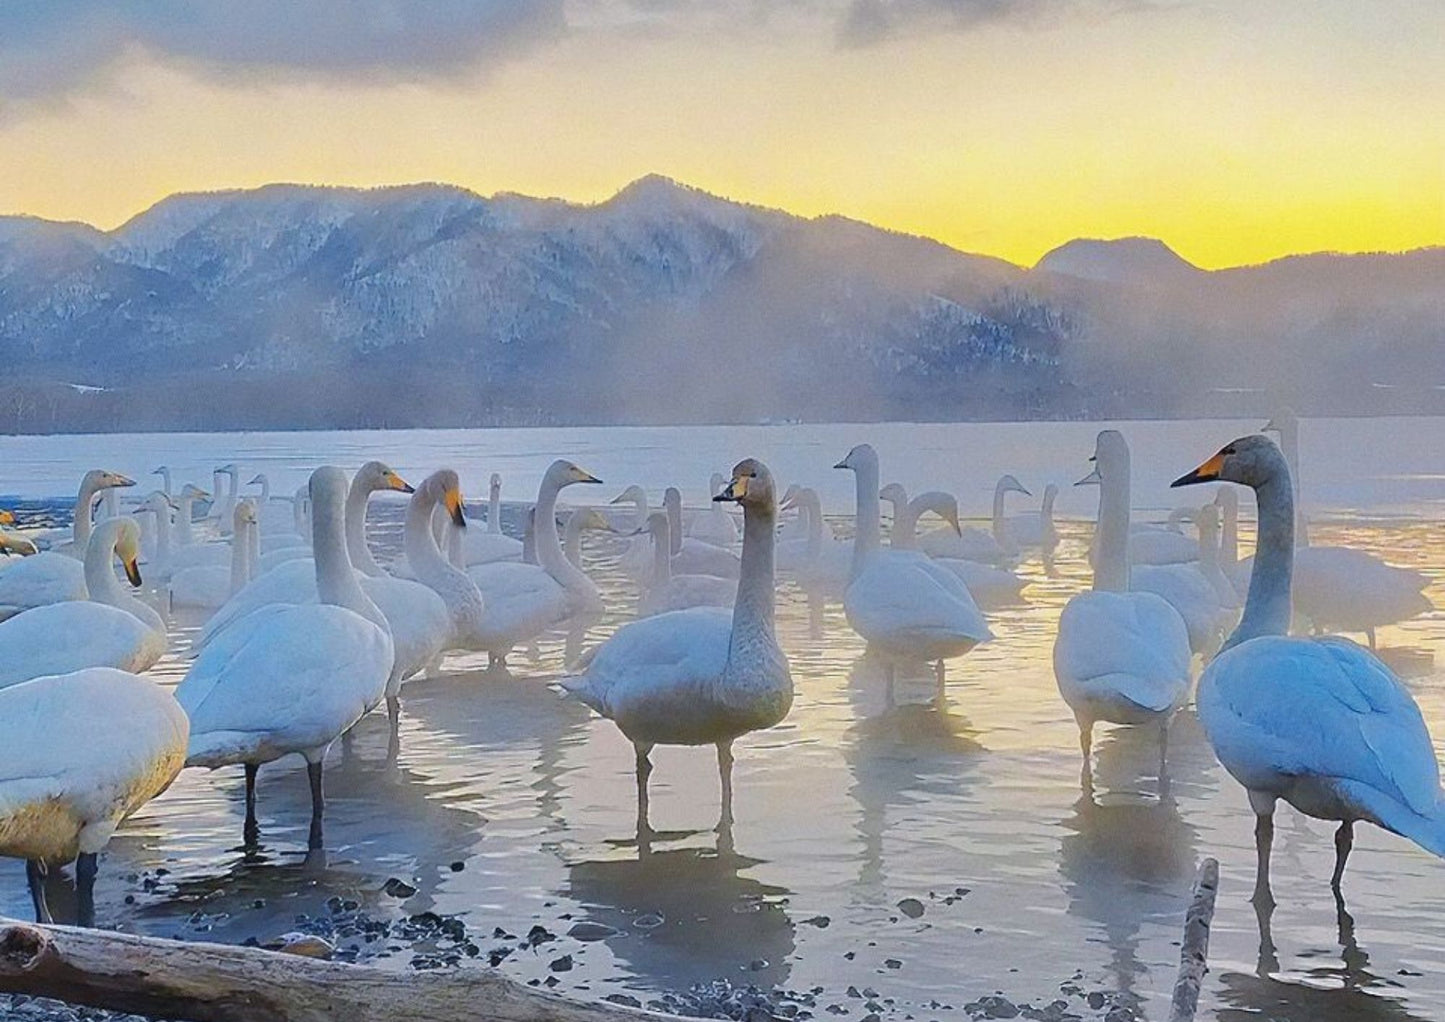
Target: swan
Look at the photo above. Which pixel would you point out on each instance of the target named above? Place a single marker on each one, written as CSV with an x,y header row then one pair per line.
x,y
523,600
636,561
108,629
704,675
691,556
791,546
1036,530
480,547
1207,520
462,600
678,592
50,578
714,525
1151,543
124,743
1119,656
183,532
577,521
990,587
225,506
1228,503
294,580
291,678
165,473
93,482
1319,722
904,605
269,522
208,586
827,563
974,544
1188,589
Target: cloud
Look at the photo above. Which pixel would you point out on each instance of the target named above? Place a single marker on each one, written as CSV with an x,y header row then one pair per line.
x,y
867,22
49,50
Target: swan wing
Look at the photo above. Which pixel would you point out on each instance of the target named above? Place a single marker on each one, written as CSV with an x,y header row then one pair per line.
x,y
65,637
654,658
904,591
43,578
290,582
1131,644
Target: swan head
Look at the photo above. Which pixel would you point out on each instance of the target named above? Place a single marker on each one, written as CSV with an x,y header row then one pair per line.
x,y
6,517
1110,458
1207,519
563,473
258,480
590,518
496,482
672,497
944,505
1008,484
444,487
244,515
159,502
229,470
122,535
1284,419
100,479
376,475
1250,461
632,495
193,492
863,454
790,495
751,486
894,493
160,470
656,526
1226,499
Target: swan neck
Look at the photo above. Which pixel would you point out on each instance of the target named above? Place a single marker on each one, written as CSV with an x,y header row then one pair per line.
x,y
754,609
572,540
549,544
100,580
357,497
81,523
867,537
1267,609
184,535
674,525
998,523
811,507
1111,552
163,534
662,557
905,528
494,511
240,556
419,541
335,578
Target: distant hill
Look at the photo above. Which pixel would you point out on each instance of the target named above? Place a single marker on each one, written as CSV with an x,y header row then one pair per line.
x,y
299,306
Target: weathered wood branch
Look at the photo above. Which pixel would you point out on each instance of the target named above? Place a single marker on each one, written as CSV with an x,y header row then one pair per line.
x,y
221,983
1194,953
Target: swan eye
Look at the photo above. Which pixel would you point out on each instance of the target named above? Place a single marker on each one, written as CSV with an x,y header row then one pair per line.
x,y
1228,451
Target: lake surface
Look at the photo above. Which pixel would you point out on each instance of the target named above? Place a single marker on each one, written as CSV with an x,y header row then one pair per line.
x,y
511,807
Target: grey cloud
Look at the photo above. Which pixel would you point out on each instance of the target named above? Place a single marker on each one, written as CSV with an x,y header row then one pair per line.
x,y
50,49
866,22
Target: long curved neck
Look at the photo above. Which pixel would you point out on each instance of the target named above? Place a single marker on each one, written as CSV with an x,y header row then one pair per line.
x,y
754,609
1229,535
253,550
265,492
1047,510
572,539
868,536
905,527
1267,609
166,481
361,557
1289,443
639,505
240,557
335,580
494,511
100,580
1209,546
998,524
549,544
812,506
184,535
1111,551
81,525
233,490
419,540
674,526
163,532
662,556
110,503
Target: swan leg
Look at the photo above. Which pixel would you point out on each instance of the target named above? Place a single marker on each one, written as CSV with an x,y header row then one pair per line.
x,y
318,805
888,674
393,720
1344,841
1370,634
251,832
644,771
1086,746
940,675
1164,754
725,777
35,878
86,866
1263,840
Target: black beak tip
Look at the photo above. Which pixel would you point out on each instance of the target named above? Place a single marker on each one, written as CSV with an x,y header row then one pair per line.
x,y
840,465
1186,479
721,498
408,488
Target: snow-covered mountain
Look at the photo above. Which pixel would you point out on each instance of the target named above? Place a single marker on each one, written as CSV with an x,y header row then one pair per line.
x,y
428,304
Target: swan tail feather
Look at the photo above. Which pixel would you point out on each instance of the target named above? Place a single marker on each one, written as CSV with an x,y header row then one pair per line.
x,y
1427,831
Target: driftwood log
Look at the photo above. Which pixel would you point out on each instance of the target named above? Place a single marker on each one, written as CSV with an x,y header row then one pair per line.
x,y
220,983
1194,952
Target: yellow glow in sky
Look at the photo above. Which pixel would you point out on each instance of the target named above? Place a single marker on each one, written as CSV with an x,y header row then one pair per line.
x,y
1234,134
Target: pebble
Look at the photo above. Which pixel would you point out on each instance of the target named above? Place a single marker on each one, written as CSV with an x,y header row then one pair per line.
x,y
587,931
398,888
911,907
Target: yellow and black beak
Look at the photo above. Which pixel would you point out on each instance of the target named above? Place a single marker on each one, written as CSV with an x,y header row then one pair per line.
x,y
453,502
396,482
584,476
734,491
1206,473
132,572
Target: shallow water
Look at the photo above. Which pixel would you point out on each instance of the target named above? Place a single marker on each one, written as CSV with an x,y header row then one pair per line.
x,y
844,810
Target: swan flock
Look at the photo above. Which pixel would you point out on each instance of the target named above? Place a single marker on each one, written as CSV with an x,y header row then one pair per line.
x,y
303,625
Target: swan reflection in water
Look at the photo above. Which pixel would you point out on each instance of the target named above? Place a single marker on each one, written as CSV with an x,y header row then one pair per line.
x,y
689,913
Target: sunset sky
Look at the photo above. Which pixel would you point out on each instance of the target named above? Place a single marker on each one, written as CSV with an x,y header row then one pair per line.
x,y
1236,130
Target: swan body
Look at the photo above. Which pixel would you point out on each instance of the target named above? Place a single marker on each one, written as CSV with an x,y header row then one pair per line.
x,y
1119,656
124,743
1319,722
901,602
210,586
990,587
291,678
993,547
464,610
64,637
45,578
522,600
1184,587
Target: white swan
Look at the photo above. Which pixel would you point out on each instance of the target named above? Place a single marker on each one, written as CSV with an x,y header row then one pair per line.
x,y
714,525
667,591
990,587
50,578
577,522
991,547
165,473
826,563
479,547
183,531
462,600
700,676
1120,656
1152,543
93,482
1188,589
1210,561
110,629
268,520
1320,723
1036,530
82,752
224,508
291,678
523,600
208,586
691,556
903,604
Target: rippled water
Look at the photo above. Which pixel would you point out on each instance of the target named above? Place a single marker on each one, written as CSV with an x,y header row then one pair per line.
x,y
845,809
